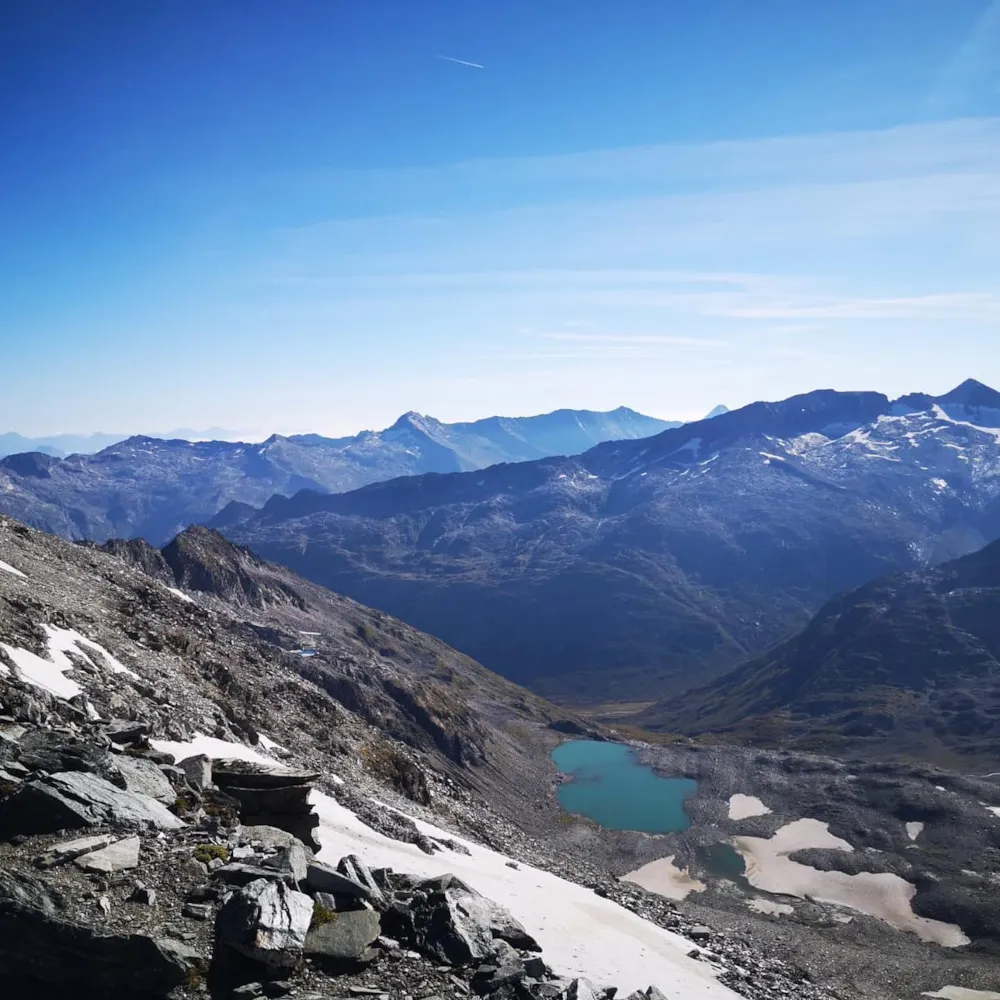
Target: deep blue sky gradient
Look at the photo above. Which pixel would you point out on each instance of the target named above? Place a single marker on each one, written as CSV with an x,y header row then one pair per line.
x,y
202,202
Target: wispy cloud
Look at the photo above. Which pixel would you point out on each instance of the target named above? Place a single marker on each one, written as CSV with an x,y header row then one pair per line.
x,y
972,74
662,340
461,62
958,305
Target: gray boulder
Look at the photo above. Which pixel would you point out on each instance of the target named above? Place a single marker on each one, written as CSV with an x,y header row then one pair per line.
x,y
455,924
322,878
267,922
198,771
357,871
346,938
503,968
291,860
137,774
75,799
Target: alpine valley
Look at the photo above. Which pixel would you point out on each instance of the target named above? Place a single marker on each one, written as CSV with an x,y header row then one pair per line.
x,y
627,572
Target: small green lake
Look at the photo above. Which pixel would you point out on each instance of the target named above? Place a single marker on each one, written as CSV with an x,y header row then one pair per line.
x,y
611,787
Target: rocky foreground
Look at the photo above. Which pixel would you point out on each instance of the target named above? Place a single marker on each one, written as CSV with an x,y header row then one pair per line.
x,y
125,874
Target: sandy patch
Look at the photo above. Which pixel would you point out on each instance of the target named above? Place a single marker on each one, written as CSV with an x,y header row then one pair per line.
x,y
961,993
913,830
760,905
885,896
665,879
744,806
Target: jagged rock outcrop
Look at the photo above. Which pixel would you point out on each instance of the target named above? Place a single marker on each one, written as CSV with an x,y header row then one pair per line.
x,y
268,922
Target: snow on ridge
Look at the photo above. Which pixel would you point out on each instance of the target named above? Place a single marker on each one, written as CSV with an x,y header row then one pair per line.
x,y
7,568
180,595
49,672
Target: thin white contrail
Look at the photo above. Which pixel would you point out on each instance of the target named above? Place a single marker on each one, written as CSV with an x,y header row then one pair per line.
x,y
461,62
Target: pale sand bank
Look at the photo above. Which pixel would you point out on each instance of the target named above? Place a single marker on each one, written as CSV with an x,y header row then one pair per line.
x,y
885,896
961,993
744,806
665,879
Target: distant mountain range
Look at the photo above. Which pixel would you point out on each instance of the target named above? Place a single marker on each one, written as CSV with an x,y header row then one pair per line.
x,y
61,445
155,488
642,566
908,665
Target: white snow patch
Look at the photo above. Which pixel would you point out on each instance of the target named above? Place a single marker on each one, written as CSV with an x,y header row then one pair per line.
x,y
941,484
994,809
212,747
49,672
744,806
581,933
760,905
7,568
961,993
218,749
180,595
886,896
913,830
664,878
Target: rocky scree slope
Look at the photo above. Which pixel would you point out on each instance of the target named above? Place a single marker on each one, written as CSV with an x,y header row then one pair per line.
x,y
151,488
626,571
122,873
908,665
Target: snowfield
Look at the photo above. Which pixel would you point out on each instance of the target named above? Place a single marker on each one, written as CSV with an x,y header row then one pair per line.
x,y
7,568
49,673
581,934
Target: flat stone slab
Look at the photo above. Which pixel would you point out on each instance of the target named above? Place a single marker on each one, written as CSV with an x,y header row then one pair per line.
x,y
70,850
323,878
116,858
73,799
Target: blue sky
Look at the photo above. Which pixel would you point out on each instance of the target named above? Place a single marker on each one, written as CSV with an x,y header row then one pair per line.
x,y
300,217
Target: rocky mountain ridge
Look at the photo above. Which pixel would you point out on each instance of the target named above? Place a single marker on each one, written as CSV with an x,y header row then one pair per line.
x,y
153,488
907,665
621,573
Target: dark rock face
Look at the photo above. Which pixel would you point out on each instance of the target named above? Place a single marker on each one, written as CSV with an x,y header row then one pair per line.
x,y
627,571
74,800
279,797
345,939
907,664
455,924
45,954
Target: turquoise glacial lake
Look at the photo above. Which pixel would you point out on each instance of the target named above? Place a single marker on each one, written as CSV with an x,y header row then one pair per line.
x,y
612,788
